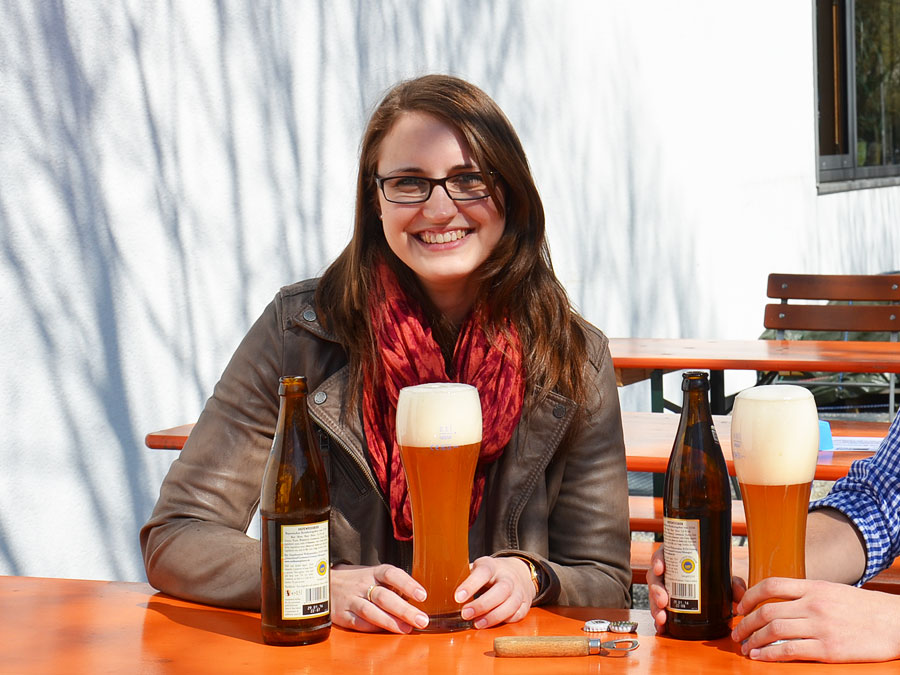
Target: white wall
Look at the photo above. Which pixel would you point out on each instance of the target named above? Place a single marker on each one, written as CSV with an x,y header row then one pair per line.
x,y
165,167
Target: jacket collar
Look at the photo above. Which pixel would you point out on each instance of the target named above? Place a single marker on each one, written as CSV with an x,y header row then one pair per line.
x,y
299,310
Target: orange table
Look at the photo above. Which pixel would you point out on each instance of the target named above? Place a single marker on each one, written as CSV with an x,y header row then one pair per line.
x,y
649,438
169,439
69,626
648,442
638,358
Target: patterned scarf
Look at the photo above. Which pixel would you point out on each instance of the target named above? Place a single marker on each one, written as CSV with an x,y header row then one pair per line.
x,y
409,355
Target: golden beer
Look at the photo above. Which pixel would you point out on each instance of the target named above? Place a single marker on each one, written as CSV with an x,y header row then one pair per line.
x,y
439,433
775,442
777,529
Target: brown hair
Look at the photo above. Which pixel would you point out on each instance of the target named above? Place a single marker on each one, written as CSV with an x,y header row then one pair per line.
x,y
517,279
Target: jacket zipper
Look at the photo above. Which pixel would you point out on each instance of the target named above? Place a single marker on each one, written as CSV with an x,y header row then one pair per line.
x,y
346,448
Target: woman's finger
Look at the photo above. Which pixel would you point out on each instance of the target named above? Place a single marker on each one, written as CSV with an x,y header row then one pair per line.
x,y
384,607
400,581
480,574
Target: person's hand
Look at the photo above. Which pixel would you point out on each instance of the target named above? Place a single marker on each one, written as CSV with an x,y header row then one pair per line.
x,y
659,597
656,589
370,599
821,621
507,591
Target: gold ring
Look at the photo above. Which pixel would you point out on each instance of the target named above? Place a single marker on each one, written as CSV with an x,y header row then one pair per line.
x,y
369,592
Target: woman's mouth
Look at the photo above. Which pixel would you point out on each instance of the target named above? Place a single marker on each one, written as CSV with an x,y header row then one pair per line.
x,y
442,237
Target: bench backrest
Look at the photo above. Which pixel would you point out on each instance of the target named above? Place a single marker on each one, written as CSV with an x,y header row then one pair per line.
x,y
849,288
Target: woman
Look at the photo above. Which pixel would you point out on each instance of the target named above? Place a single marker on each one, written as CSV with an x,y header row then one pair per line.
x,y
447,277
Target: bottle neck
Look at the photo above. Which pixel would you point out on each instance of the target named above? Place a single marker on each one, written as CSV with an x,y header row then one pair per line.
x,y
696,404
291,410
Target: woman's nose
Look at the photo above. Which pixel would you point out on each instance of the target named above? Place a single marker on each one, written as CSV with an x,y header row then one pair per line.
x,y
439,207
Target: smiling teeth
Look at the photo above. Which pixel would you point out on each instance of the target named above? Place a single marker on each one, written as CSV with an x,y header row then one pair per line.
x,y
442,237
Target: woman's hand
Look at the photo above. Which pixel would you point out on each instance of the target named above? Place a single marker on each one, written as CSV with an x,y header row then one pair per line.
x,y
821,621
659,597
371,599
507,591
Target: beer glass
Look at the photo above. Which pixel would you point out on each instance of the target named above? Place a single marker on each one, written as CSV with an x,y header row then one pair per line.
x,y
439,433
775,443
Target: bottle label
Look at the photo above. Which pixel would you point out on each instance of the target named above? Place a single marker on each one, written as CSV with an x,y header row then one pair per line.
x,y
682,552
304,570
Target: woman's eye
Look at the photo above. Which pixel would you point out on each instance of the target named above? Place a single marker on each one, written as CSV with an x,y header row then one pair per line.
x,y
468,179
408,184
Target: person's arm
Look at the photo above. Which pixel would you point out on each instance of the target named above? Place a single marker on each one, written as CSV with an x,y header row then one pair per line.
x,y
817,621
835,549
194,543
851,535
869,498
821,620
588,558
590,539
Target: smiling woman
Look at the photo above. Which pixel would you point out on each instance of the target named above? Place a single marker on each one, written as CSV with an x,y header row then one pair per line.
x,y
441,237
447,278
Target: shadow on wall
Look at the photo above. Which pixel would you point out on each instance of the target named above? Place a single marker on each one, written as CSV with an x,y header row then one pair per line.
x,y
628,244
71,299
112,88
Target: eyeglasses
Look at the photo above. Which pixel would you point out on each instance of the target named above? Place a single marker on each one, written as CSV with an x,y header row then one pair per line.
x,y
461,187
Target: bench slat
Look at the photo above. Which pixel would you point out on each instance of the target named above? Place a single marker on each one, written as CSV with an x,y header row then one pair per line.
x,y
646,514
875,287
855,318
888,581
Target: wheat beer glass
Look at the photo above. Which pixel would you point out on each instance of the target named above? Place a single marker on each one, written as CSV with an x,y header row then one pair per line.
x,y
775,442
439,433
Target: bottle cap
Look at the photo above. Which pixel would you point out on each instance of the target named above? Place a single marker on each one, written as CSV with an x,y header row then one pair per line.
x,y
623,626
596,625
695,379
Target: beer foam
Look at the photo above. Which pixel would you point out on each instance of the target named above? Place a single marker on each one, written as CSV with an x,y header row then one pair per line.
x,y
439,414
775,435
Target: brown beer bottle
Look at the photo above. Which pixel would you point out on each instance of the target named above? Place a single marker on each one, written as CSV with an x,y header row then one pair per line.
x,y
697,522
294,509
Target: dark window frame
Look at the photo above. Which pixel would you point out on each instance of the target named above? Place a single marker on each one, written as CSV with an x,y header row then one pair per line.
x,y
834,42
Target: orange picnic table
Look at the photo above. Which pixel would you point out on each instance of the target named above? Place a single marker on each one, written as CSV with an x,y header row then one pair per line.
x,y
637,359
74,626
648,442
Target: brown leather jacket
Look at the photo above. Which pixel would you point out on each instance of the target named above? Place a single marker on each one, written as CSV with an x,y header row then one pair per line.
x,y
565,508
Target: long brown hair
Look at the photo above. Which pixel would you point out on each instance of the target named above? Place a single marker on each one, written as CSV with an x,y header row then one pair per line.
x,y
517,279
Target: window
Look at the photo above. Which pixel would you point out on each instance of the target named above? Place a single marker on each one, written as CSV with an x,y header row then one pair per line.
x,y
858,87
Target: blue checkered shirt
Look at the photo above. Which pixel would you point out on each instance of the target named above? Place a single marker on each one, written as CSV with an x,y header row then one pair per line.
x,y
869,495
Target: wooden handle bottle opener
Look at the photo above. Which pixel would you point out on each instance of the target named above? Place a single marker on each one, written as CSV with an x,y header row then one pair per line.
x,y
559,646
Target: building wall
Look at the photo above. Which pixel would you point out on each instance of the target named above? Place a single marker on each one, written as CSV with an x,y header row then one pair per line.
x,y
165,167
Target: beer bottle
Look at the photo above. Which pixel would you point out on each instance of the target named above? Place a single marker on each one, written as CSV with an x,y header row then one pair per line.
x,y
294,509
697,522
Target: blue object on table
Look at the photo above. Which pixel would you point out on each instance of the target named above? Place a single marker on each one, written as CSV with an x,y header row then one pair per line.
x,y
825,440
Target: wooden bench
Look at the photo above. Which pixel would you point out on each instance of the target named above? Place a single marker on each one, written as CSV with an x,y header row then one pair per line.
x,y
646,514
878,313
888,581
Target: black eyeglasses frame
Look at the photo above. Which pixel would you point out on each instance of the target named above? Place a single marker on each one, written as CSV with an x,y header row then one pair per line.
x,y
432,183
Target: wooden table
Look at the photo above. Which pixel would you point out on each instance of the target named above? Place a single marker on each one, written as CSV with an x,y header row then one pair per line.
x,y
70,626
649,438
648,442
169,439
637,359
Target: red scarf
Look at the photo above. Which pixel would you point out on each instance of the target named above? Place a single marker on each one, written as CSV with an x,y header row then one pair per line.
x,y
409,355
